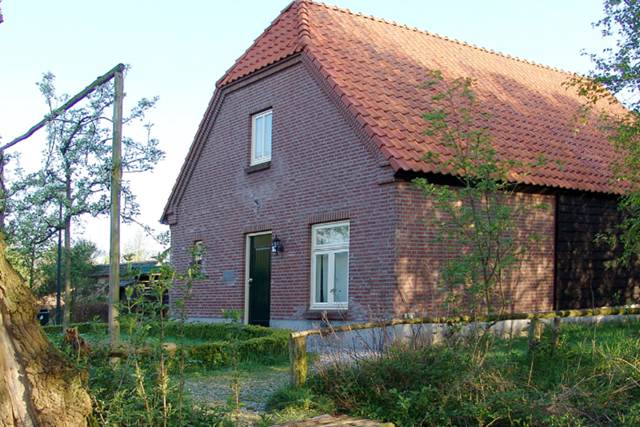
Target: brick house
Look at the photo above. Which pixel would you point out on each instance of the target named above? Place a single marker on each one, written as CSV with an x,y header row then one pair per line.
x,y
299,177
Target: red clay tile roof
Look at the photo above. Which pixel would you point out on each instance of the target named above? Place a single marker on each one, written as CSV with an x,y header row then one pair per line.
x,y
378,68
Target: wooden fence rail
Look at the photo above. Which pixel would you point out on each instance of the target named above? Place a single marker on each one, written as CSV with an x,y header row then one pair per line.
x,y
298,340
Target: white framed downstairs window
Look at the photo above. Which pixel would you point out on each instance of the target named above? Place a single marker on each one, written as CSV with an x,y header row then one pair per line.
x,y
261,137
330,265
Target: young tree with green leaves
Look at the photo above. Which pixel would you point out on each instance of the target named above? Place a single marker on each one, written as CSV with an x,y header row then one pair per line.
x,y
617,73
477,219
75,177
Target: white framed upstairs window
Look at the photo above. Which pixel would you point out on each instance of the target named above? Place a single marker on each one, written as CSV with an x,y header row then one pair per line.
x,y
330,265
261,126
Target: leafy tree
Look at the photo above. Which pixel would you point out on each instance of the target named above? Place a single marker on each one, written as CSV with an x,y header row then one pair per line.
x,y
617,72
476,220
83,262
29,237
75,177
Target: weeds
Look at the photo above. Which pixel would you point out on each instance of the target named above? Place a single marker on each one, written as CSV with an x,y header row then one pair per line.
x,y
590,377
295,404
136,388
234,316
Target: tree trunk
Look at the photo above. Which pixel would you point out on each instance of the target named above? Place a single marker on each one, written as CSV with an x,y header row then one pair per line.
x,y
38,385
67,274
3,190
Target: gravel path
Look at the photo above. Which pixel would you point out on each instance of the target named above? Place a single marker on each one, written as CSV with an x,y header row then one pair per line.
x,y
255,386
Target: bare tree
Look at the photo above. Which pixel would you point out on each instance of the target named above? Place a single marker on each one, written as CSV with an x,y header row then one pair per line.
x,y
136,250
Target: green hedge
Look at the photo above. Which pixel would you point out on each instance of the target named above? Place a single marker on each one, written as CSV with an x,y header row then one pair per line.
x,y
194,331
252,343
214,331
211,355
83,328
266,349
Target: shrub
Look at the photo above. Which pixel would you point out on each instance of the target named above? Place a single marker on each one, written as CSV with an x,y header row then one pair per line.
x,y
212,355
211,331
216,331
131,397
265,349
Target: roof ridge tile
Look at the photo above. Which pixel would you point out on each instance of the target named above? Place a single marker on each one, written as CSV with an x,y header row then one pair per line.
x,y
304,33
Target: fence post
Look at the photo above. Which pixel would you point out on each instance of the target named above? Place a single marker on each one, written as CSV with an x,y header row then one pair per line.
x,y
555,334
298,360
535,332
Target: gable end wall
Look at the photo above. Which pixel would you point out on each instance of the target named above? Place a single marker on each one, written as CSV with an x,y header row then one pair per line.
x,y
320,170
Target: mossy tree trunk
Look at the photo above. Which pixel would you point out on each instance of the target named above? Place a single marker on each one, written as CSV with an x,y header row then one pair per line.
x,y
38,385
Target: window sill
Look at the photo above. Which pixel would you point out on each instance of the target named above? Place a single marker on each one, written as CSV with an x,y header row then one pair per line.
x,y
257,167
332,314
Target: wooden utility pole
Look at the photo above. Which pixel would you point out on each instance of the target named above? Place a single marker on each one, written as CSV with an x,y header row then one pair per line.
x,y
116,177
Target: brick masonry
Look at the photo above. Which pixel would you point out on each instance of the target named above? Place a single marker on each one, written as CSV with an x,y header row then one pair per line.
x,y
321,170
419,257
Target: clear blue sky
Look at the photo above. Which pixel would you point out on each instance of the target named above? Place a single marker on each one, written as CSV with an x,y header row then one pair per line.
x,y
178,50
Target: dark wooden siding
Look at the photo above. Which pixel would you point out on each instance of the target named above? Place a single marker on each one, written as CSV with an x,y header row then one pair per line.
x,y
583,279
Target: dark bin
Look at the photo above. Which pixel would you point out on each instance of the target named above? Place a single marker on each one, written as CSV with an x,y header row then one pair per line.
x,y
43,316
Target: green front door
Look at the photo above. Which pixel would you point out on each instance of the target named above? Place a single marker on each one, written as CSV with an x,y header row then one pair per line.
x,y
259,279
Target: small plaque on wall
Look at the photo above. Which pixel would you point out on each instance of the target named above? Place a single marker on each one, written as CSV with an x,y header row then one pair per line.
x,y
228,275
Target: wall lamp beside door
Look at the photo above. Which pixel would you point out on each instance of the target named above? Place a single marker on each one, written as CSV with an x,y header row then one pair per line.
x,y
277,246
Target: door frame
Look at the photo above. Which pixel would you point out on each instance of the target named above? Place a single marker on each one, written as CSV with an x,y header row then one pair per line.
x,y
247,269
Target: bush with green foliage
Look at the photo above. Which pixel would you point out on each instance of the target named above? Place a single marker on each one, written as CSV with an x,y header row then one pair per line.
x,y
476,219
615,80
214,331
140,388
132,392
266,349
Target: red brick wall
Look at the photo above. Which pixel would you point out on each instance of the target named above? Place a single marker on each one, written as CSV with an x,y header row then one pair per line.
x,y
320,169
419,258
